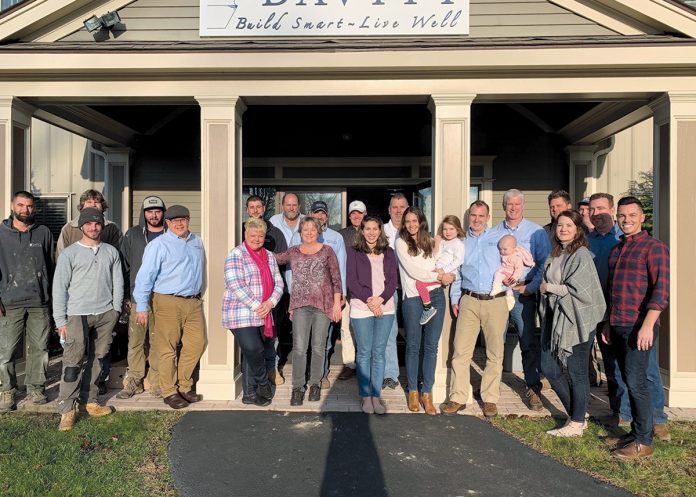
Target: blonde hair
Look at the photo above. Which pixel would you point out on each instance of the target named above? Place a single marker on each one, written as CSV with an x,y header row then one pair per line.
x,y
254,223
454,221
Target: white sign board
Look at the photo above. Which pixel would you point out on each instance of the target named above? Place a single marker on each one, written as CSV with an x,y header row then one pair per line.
x,y
334,18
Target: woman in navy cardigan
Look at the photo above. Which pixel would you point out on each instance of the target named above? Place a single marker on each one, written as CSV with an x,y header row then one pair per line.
x,y
371,278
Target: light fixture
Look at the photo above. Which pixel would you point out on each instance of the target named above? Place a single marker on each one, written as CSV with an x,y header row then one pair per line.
x,y
93,24
107,21
111,19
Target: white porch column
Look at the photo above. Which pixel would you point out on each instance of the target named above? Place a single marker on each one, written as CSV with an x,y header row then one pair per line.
x,y
451,179
674,207
15,148
582,173
221,123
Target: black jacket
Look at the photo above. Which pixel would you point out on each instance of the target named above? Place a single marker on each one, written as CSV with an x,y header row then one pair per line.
x,y
26,266
132,248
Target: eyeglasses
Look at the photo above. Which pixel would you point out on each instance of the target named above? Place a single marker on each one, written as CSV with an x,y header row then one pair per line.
x,y
178,220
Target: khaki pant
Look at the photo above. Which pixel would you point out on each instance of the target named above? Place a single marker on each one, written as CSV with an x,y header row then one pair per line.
x,y
139,352
347,341
474,315
177,320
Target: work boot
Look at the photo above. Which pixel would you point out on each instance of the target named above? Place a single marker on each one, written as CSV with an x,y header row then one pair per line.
x,y
36,397
275,377
297,397
95,409
533,400
7,401
661,432
67,420
131,387
314,393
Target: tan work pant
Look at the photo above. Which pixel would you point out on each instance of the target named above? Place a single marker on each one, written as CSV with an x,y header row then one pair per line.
x,y
474,315
177,320
139,351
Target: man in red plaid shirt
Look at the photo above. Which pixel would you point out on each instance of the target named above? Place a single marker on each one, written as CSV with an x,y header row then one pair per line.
x,y
638,293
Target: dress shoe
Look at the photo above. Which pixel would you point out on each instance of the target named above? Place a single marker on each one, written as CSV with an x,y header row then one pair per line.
x,y
490,410
632,451
451,407
661,432
413,402
176,401
191,396
346,373
428,406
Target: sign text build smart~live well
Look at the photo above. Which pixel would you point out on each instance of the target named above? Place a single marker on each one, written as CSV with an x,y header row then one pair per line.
x,y
333,18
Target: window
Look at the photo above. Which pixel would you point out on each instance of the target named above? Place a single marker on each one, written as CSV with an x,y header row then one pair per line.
x,y
53,212
8,4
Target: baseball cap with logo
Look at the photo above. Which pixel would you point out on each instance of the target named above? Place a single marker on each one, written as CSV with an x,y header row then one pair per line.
x,y
319,205
90,215
357,205
153,202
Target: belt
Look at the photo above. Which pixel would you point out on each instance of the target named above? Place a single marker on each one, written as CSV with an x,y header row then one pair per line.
x,y
197,296
483,296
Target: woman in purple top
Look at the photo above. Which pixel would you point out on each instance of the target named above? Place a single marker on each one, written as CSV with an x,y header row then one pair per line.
x,y
371,280
315,300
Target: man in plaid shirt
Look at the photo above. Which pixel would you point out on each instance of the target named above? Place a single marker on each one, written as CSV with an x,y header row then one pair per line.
x,y
638,293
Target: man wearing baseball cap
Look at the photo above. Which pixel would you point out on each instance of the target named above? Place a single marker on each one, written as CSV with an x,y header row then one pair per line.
x,y
356,213
87,298
132,249
169,282
333,239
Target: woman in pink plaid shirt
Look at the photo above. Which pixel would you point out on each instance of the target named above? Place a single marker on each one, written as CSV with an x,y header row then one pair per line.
x,y
253,286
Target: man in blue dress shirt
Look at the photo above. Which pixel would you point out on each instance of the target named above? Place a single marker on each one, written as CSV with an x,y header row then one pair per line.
x,y
170,278
532,237
476,309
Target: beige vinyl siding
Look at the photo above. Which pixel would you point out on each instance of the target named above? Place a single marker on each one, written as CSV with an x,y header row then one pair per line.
x,y
536,206
177,20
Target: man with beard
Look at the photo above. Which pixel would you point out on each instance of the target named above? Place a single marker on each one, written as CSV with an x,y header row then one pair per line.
x,y
26,269
87,299
288,221
559,201
132,248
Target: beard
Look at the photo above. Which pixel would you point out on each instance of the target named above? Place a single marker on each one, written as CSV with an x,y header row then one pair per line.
x,y
155,224
28,219
292,216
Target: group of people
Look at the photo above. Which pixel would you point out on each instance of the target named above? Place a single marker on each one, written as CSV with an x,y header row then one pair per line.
x,y
153,275
584,275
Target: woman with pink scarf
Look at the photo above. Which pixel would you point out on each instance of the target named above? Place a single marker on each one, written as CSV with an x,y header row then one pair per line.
x,y
253,287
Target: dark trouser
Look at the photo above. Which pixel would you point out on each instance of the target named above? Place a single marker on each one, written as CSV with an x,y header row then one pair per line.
x,y
90,335
523,314
574,394
308,322
33,322
633,364
253,346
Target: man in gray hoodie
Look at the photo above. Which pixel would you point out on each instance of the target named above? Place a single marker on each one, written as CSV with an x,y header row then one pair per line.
x,y
132,248
26,269
87,298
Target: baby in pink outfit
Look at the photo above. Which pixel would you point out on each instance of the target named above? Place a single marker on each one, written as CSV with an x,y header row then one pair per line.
x,y
513,260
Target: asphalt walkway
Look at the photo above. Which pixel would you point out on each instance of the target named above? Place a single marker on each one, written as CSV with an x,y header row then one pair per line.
x,y
257,453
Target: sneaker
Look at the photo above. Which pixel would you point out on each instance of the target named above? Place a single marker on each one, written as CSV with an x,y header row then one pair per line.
x,y
37,397
390,383
379,406
265,393
314,393
249,399
131,387
533,400
346,373
7,401
427,315
275,377
570,429
366,404
67,420
661,432
325,383
297,397
95,409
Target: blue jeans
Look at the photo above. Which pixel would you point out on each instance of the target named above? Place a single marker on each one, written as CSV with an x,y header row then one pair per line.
x,y
633,364
371,335
430,336
574,395
524,317
391,368
618,392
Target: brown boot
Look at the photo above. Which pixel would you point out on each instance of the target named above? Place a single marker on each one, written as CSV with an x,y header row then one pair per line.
x,y
413,403
428,406
661,432
95,409
632,451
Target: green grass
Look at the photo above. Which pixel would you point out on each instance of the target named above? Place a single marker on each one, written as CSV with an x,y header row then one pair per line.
x,y
124,454
671,472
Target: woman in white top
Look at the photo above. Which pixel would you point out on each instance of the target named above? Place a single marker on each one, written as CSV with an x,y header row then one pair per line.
x,y
414,251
